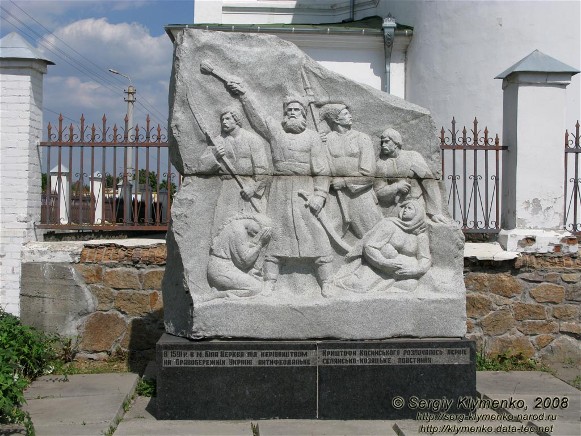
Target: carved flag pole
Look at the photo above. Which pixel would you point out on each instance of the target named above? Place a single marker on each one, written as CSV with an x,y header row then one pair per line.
x,y
227,164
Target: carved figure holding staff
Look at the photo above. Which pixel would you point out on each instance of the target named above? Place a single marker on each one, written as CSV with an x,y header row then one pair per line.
x,y
245,176
352,162
300,166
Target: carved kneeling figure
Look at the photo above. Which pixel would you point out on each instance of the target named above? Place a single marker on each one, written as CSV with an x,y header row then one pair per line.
x,y
395,252
233,265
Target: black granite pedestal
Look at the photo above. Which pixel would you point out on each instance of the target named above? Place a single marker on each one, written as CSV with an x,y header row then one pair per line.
x,y
390,379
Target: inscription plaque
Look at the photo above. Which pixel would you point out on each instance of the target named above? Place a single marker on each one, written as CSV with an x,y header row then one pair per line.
x,y
308,379
276,357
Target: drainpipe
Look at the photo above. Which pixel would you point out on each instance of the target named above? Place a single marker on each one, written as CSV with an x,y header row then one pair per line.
x,y
388,27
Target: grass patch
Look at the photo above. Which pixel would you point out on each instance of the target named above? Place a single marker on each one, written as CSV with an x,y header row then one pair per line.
x,y
507,362
25,353
146,387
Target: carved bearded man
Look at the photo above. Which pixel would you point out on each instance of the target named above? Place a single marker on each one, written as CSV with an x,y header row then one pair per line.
x,y
352,163
246,151
300,166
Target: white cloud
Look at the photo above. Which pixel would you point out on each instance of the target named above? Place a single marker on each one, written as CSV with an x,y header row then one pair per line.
x,y
125,47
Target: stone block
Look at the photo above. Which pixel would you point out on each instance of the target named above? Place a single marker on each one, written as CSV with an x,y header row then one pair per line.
x,y
500,300
476,282
532,277
142,334
524,311
570,277
573,293
538,327
53,298
504,285
121,278
469,326
105,296
548,293
501,284
133,303
286,261
510,346
563,349
541,341
101,331
571,327
498,322
91,273
152,279
566,311
477,305
156,302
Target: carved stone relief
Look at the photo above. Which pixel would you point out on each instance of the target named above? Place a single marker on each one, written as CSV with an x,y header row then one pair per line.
x,y
316,211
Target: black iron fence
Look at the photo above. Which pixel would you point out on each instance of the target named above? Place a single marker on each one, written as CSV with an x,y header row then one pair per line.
x,y
571,183
89,172
471,168
103,178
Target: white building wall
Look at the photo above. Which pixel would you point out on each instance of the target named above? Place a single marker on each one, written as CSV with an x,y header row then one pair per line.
x,y
20,174
459,47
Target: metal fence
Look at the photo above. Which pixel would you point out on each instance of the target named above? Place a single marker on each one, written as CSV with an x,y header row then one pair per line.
x,y
88,172
471,165
572,205
103,178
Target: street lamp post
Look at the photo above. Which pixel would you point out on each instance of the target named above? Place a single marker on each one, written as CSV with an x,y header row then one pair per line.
x,y
127,200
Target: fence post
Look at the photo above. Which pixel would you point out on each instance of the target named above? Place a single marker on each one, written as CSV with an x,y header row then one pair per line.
x,y
534,103
22,69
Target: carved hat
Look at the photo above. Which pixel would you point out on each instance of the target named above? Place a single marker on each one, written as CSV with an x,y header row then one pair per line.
x,y
331,111
392,134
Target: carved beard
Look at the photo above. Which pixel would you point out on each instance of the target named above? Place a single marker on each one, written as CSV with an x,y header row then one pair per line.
x,y
294,125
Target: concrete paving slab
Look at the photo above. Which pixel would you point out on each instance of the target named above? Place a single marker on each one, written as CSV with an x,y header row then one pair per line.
x,y
535,398
85,404
139,420
299,427
70,430
522,382
81,385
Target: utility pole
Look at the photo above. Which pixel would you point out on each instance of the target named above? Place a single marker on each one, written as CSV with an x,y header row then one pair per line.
x,y
127,197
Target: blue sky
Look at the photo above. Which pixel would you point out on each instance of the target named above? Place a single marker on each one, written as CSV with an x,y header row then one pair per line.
x,y
85,38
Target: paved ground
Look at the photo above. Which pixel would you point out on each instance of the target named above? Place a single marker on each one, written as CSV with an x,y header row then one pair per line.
x,y
96,404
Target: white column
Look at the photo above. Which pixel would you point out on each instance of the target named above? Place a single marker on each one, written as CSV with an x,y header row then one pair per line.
x,y
21,83
59,185
97,191
534,106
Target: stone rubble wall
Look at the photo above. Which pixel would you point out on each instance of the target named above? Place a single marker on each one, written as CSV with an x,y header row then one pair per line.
x,y
530,305
124,310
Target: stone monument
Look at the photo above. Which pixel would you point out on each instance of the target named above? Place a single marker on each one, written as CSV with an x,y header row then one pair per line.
x,y
311,209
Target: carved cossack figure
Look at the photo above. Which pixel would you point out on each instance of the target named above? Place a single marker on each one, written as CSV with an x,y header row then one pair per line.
x,y
395,252
353,166
245,152
234,256
403,175
300,168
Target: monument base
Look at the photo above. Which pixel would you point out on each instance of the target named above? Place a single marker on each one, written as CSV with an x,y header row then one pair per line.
x,y
388,379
